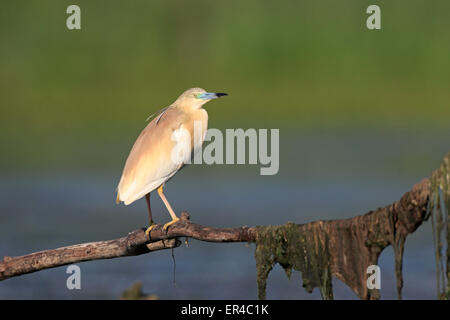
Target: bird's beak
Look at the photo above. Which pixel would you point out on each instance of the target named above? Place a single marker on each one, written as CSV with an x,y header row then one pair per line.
x,y
210,95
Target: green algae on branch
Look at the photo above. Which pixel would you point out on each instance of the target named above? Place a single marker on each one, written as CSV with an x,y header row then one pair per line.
x,y
294,249
439,209
346,248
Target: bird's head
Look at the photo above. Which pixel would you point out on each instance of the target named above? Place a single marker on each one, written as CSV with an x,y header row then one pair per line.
x,y
195,98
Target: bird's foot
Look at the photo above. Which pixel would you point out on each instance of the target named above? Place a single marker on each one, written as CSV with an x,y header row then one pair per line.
x,y
170,223
147,232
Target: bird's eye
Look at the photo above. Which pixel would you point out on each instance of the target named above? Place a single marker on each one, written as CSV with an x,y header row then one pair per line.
x,y
196,95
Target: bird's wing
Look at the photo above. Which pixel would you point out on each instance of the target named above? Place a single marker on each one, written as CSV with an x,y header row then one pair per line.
x,y
158,114
151,161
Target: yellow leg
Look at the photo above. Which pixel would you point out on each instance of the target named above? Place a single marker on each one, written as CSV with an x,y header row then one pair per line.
x,y
169,208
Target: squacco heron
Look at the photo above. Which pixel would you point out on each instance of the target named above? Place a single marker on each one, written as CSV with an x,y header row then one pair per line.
x,y
151,162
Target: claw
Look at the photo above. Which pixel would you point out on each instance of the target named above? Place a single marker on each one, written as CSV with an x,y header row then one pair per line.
x,y
170,223
147,232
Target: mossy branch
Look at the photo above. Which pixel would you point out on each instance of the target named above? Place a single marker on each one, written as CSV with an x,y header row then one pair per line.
x,y
321,249
342,248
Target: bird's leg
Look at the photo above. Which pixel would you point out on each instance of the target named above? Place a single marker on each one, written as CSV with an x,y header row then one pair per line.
x,y
150,219
169,208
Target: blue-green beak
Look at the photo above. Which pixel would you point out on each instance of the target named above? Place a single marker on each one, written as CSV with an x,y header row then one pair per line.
x,y
210,95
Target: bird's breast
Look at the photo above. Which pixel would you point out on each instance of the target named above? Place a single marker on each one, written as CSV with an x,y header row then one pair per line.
x,y
197,126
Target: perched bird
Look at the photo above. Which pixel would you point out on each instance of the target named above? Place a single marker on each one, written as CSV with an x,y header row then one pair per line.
x,y
155,158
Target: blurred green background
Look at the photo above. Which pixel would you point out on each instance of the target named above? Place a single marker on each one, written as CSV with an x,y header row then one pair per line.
x,y
76,99
363,115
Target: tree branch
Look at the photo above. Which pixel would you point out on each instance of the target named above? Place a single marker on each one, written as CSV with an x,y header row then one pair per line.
x,y
122,247
135,243
350,244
